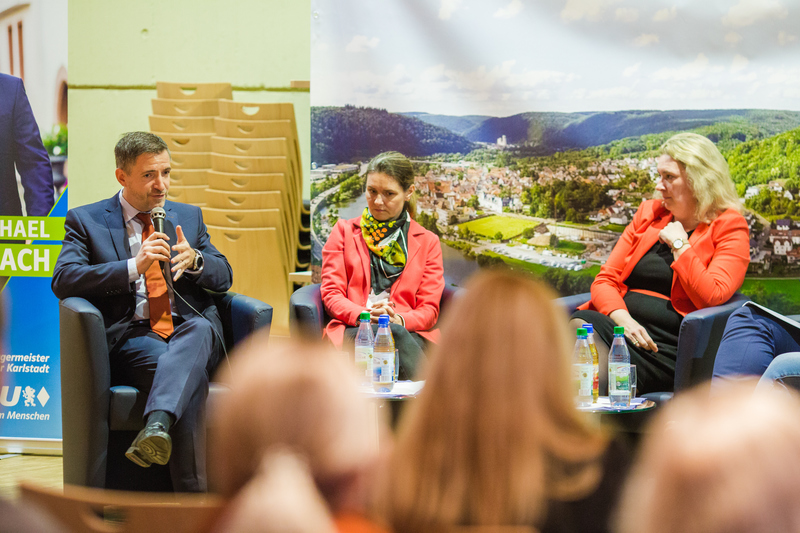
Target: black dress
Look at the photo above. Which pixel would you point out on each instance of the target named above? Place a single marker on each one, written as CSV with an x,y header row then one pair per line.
x,y
655,371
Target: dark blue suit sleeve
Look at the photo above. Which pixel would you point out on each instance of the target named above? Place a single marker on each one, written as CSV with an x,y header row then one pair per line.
x,y
32,161
74,275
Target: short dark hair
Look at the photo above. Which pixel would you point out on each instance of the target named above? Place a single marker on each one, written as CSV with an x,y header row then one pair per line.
x,y
135,143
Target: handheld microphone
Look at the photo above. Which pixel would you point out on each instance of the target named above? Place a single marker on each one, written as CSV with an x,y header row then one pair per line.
x,y
157,215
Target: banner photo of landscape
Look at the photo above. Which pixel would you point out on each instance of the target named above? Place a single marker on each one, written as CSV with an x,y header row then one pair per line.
x,y
535,126
33,206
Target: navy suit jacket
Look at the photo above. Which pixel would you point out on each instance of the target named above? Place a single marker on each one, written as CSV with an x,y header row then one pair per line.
x,y
21,147
93,264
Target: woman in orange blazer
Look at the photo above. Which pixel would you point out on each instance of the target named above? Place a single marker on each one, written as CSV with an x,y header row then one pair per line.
x,y
384,251
683,252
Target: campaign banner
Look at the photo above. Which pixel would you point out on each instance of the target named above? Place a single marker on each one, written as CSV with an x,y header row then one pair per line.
x,y
30,362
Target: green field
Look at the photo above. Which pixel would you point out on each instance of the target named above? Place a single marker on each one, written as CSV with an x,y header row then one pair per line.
x,y
536,268
789,287
619,228
489,226
571,246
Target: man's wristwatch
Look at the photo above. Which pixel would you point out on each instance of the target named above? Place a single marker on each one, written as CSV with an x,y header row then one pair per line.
x,y
677,244
198,260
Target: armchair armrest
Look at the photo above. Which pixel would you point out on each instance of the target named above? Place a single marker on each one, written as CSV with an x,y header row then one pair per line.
x,y
85,394
698,341
571,303
241,315
306,312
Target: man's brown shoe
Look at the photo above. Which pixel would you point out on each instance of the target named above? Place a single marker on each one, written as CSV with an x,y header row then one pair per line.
x,y
152,445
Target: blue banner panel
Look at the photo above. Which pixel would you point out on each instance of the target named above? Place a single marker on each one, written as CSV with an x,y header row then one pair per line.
x,y
30,362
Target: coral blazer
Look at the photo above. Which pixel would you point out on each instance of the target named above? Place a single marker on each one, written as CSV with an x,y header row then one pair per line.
x,y
706,274
346,280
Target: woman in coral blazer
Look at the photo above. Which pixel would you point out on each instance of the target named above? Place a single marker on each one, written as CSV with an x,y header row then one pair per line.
x,y
683,252
385,251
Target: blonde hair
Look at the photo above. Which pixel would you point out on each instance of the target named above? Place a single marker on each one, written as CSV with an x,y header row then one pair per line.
x,y
495,431
707,173
729,463
301,397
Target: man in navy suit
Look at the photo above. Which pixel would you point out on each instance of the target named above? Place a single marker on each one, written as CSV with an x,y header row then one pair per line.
x,y
112,256
21,148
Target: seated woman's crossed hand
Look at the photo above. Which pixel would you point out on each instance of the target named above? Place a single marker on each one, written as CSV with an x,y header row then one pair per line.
x,y
385,307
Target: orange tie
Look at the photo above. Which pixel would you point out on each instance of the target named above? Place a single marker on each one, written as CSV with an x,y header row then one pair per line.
x,y
157,296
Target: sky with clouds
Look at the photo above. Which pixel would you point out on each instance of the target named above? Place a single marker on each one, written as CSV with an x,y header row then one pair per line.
x,y
503,57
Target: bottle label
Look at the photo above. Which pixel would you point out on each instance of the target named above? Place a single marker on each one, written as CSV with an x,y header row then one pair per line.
x,y
619,378
383,367
363,357
583,376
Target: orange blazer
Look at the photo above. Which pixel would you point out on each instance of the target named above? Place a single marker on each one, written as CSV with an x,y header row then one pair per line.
x,y
706,274
346,280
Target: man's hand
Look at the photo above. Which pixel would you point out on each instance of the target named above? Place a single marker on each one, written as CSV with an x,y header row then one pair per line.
x,y
185,257
154,248
633,330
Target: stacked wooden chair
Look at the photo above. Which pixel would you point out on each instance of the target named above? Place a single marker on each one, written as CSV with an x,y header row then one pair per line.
x,y
255,199
183,115
240,162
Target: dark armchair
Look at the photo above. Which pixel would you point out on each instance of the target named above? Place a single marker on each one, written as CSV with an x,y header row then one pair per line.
x,y
100,420
307,316
698,341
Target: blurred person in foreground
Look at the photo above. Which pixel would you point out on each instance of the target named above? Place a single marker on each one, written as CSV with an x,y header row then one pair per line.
x,y
301,398
21,517
685,251
729,463
281,497
384,262
494,438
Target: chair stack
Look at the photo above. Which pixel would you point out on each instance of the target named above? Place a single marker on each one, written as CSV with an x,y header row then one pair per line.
x,y
183,115
254,200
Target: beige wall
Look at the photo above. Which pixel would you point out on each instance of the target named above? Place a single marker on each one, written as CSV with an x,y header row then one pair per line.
x,y
119,49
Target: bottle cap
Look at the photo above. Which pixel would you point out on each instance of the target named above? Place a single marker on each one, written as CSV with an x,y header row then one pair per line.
x,y
589,328
363,316
581,332
383,320
619,330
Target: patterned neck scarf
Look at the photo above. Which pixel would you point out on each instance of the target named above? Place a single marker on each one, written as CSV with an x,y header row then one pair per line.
x,y
388,244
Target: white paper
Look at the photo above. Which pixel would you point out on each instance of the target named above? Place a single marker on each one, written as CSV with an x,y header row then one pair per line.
x,y
401,389
777,316
375,298
604,404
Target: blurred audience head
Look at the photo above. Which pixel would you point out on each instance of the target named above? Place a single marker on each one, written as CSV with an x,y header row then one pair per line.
x,y
727,463
298,397
706,171
495,432
281,497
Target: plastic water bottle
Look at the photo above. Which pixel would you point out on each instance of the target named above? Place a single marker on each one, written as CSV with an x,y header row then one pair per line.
x,y
363,351
619,370
595,362
582,370
383,357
